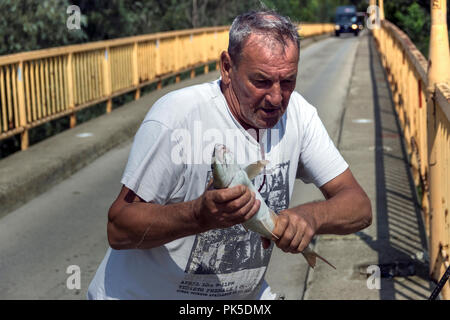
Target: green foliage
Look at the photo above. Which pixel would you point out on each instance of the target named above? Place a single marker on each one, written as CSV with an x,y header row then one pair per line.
x,y
413,17
416,24
121,18
30,25
307,10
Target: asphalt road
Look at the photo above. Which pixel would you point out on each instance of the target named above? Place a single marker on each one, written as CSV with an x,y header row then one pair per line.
x,y
66,226
325,69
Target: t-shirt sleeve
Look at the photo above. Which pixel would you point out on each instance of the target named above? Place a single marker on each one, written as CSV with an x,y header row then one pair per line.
x,y
150,171
320,161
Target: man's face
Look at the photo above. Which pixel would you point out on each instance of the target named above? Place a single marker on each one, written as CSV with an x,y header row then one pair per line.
x,y
263,81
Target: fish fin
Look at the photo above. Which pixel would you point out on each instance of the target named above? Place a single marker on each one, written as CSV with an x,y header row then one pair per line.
x,y
255,168
311,256
311,259
246,229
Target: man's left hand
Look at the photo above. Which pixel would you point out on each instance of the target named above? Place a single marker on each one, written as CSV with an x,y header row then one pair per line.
x,y
294,230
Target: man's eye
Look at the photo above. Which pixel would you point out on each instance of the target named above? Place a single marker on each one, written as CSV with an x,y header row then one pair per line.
x,y
287,83
261,82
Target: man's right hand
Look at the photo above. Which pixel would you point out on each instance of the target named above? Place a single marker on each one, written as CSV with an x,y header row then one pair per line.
x,y
133,223
223,208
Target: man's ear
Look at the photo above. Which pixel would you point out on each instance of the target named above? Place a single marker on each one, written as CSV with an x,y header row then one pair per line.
x,y
226,66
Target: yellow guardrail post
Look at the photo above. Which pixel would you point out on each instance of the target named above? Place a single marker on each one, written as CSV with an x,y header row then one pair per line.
x,y
107,78
158,62
381,32
439,61
22,112
205,51
381,8
71,90
438,72
177,59
374,15
137,93
191,37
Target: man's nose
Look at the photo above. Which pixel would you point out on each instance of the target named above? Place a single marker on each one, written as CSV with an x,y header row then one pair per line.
x,y
274,96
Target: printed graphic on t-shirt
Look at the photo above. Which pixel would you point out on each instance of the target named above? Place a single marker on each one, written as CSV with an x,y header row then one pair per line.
x,y
227,250
232,250
275,190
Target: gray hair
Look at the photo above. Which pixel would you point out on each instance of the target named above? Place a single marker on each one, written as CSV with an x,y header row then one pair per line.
x,y
269,22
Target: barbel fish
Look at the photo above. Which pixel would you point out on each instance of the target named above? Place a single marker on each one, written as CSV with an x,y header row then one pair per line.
x,y
227,173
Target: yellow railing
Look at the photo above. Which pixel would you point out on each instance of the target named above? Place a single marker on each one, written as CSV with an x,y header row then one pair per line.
x,y
425,122
314,29
39,86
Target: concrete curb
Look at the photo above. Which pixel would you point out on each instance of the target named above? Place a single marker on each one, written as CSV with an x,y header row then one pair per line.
x,y
27,174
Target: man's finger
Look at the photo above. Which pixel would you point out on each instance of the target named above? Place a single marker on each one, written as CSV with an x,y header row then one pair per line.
x,y
228,194
280,226
253,210
238,204
306,239
246,206
286,237
295,242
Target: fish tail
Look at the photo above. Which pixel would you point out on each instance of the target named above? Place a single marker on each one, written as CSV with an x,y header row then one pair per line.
x,y
311,256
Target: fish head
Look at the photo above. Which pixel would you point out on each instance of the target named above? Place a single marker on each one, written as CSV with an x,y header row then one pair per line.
x,y
223,166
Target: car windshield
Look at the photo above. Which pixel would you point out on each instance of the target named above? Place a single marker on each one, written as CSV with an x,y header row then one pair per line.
x,y
346,19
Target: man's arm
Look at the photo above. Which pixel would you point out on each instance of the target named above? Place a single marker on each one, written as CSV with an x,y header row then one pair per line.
x,y
346,209
134,223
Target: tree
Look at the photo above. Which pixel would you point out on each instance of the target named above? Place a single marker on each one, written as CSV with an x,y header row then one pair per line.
x,y
413,17
28,25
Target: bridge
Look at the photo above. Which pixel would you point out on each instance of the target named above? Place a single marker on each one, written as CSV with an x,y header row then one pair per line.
x,y
384,105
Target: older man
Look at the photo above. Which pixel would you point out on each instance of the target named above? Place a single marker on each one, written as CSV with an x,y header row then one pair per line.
x,y
171,239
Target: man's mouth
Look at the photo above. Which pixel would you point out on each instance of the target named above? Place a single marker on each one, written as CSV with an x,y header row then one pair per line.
x,y
270,112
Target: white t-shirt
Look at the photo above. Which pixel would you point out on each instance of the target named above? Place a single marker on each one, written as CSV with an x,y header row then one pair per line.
x,y
170,162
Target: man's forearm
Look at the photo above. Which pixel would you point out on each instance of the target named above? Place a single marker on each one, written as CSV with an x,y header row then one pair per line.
x,y
347,212
147,225
134,223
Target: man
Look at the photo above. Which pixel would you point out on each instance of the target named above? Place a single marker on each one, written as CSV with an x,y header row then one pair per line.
x,y
171,237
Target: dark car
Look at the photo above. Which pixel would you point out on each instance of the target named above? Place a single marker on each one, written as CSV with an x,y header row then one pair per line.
x,y
346,21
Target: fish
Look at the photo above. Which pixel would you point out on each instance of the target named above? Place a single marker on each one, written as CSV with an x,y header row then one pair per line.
x,y
226,173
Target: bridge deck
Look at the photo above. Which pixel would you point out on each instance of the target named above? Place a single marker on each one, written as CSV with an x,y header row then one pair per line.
x,y
66,225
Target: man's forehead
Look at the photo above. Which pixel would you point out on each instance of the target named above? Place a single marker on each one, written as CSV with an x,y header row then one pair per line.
x,y
269,43
265,50
265,73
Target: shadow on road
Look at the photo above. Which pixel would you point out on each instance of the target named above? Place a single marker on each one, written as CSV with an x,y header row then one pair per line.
x,y
400,241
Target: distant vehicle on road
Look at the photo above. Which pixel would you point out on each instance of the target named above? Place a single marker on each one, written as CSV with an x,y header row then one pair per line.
x,y
346,20
361,18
